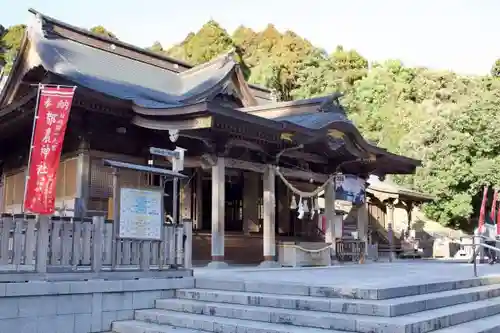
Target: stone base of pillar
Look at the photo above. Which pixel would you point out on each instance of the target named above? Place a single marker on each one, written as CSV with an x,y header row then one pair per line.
x,y
217,263
270,264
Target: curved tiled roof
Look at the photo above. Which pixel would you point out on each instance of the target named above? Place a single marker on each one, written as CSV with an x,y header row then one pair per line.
x,y
143,84
389,187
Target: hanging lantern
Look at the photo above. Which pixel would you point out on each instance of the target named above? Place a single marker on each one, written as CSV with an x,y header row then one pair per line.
x,y
293,204
306,206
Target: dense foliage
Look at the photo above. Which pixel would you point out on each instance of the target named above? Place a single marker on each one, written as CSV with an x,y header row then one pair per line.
x,y
100,30
11,39
449,121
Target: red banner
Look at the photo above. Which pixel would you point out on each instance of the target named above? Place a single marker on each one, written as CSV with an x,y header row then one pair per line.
x,y
482,212
54,105
494,206
498,222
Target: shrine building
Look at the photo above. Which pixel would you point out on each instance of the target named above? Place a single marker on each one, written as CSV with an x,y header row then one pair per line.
x,y
247,156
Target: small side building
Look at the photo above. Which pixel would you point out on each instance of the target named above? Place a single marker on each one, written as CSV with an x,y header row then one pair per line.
x,y
388,202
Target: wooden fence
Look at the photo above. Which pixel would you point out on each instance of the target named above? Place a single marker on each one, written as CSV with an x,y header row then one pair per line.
x,y
60,244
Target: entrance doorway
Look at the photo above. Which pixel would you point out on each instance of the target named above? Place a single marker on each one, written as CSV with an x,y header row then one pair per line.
x,y
233,203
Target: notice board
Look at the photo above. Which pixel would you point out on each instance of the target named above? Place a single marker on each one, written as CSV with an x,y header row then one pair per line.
x,y
141,213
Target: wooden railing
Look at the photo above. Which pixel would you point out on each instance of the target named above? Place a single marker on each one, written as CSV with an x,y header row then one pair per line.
x,y
349,249
60,244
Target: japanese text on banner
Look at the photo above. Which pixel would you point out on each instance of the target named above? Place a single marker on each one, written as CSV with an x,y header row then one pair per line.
x,y
54,106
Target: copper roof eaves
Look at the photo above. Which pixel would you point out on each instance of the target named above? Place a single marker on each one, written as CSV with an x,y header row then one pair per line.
x,y
15,105
128,46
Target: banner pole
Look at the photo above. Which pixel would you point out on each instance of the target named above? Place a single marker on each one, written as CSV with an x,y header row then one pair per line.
x,y
51,85
40,86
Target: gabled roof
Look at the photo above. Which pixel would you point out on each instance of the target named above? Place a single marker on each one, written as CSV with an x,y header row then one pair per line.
x,y
320,120
118,70
394,190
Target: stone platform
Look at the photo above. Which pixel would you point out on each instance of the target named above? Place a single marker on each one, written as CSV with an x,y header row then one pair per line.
x,y
403,297
377,275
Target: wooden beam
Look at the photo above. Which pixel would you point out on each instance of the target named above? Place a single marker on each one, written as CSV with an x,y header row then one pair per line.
x,y
306,156
192,162
188,124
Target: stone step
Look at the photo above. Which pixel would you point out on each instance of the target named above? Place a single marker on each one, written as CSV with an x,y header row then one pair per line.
x,y
421,322
164,318
260,286
483,325
135,326
385,308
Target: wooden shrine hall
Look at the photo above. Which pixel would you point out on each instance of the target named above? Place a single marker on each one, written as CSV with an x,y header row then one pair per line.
x,y
240,144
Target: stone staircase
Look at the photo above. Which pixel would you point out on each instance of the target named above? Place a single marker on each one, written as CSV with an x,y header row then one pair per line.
x,y
466,306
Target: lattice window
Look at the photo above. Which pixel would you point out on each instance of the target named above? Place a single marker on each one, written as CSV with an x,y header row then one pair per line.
x,y
66,186
19,180
13,189
101,179
8,191
70,177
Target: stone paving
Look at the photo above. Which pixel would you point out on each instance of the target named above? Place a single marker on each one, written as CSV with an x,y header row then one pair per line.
x,y
370,275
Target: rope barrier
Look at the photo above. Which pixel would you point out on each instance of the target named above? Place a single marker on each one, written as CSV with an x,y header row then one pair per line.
x,y
307,250
300,193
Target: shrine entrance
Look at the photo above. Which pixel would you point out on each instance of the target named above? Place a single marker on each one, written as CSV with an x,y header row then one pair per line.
x,y
233,204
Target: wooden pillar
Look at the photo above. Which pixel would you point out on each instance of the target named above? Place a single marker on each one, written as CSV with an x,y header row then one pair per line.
x,y
188,244
218,210
186,192
97,243
2,192
269,214
116,218
198,218
362,223
83,180
284,199
330,213
338,225
251,202
409,213
390,230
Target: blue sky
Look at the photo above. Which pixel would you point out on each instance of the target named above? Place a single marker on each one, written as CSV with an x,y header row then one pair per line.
x,y
462,35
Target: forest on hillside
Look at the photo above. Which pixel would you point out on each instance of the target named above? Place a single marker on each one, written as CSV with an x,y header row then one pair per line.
x,y
449,121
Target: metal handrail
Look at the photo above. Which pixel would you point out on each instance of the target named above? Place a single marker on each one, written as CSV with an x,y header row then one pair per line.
x,y
476,249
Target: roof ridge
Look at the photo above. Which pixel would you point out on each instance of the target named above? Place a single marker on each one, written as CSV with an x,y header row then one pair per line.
x,y
223,59
126,45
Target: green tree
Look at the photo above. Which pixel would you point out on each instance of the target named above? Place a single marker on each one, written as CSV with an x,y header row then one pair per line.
x,y
156,47
100,30
245,39
209,42
10,42
2,46
460,149
315,76
275,60
319,74
349,65
13,36
495,69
